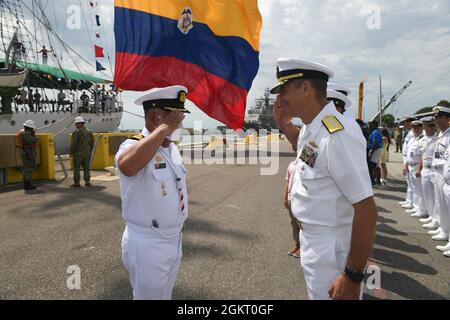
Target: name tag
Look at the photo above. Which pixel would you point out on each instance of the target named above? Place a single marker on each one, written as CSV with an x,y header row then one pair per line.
x,y
160,166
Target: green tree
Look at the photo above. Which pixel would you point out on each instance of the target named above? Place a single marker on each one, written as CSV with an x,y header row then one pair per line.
x,y
388,120
444,103
425,110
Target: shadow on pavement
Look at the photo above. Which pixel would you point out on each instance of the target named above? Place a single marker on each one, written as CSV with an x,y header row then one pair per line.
x,y
397,244
401,262
407,287
386,196
201,226
389,230
383,210
118,290
382,219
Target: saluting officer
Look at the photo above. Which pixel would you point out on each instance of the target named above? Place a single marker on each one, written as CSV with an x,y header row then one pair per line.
x,y
332,195
154,196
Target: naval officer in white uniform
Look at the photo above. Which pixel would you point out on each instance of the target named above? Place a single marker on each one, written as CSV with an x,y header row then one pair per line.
x,y
341,102
446,248
346,101
441,117
154,196
332,195
408,203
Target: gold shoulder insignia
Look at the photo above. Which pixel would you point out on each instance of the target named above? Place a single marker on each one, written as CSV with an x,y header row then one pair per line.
x,y
332,124
137,137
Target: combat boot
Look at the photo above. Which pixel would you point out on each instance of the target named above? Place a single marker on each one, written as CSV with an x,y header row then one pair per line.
x,y
76,185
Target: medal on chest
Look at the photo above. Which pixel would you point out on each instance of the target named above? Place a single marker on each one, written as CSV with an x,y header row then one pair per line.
x,y
309,154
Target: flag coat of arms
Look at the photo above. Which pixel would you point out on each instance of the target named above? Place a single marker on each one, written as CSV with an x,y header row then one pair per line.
x,y
209,46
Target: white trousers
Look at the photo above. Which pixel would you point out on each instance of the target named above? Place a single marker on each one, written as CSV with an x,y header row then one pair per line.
x,y
409,190
152,262
419,203
428,191
324,257
441,207
447,197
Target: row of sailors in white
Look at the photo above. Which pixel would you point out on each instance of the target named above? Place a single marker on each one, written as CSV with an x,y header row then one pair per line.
x,y
154,196
427,158
332,195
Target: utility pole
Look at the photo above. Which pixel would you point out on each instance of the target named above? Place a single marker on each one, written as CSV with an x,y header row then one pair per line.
x,y
381,103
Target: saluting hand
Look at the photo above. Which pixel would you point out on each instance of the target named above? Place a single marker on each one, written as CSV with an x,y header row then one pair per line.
x,y
173,120
281,113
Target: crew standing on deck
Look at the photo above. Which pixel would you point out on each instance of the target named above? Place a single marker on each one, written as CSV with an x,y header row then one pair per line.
x,y
154,196
27,143
81,148
332,196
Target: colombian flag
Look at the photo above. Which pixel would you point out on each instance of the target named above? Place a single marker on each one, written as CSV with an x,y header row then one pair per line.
x,y
209,46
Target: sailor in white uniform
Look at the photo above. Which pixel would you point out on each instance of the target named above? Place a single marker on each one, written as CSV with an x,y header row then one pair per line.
x,y
442,117
341,101
426,150
408,203
446,248
332,195
154,196
412,165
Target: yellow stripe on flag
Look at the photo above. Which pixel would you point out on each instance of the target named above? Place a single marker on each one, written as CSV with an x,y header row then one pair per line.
x,y
239,18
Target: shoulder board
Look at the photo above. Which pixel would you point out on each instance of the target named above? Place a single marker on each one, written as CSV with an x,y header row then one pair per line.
x,y
138,137
332,124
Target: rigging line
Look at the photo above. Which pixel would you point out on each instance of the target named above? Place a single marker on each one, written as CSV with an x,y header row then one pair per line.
x,y
133,114
85,22
107,46
66,46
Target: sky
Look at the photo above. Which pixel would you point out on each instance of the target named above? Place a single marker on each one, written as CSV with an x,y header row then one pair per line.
x,y
359,40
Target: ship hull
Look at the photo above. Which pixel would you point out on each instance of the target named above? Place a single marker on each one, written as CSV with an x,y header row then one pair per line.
x,y
61,124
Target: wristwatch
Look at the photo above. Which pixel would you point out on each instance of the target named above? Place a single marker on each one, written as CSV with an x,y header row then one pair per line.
x,y
354,275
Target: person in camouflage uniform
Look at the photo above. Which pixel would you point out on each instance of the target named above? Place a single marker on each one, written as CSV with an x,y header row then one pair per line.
x,y
81,149
27,146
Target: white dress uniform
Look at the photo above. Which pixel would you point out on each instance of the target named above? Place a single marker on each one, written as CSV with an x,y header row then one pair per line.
x,y
442,211
427,145
446,189
409,192
152,207
413,160
331,176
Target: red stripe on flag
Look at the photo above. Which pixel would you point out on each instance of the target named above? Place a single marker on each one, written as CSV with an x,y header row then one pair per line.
x,y
217,97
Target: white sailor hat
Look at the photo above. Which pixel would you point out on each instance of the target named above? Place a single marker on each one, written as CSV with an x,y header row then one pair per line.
x,y
290,68
169,98
341,89
339,99
428,121
439,110
417,123
409,119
